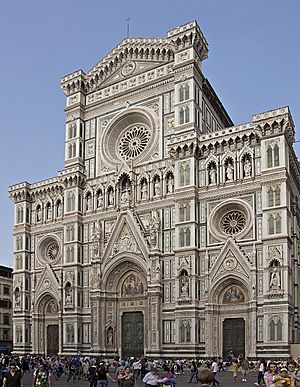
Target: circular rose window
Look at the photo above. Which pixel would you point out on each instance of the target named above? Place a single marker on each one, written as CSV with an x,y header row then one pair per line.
x,y
231,218
233,222
52,251
130,136
49,249
133,142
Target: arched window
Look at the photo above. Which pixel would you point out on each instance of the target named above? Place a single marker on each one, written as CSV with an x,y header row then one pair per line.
x,y
181,116
187,174
181,93
181,237
186,114
74,150
188,237
70,151
277,196
275,329
185,332
270,197
48,211
38,213
278,224
80,150
58,209
186,92
276,156
181,212
269,157
271,225
181,175
27,215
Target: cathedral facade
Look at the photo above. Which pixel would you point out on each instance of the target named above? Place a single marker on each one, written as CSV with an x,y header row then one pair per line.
x,y
170,231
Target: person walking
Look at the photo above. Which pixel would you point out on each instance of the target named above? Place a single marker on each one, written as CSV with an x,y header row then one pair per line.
x,y
214,368
261,366
245,369
42,377
13,378
193,371
234,370
103,376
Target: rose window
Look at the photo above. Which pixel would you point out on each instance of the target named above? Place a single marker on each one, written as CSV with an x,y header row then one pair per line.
x,y
52,251
233,222
133,142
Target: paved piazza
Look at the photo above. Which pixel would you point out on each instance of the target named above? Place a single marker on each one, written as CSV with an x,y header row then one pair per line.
x,y
223,377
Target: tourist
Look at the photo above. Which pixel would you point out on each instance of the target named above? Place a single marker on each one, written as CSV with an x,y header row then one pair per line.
x,y
261,367
234,370
245,369
103,376
12,378
126,378
271,371
193,371
152,379
282,378
214,368
293,373
41,377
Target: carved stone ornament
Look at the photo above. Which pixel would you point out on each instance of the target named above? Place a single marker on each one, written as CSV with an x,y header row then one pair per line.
x,y
230,263
128,68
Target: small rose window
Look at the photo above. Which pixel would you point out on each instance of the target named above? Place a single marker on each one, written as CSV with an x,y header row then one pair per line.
x,y
233,222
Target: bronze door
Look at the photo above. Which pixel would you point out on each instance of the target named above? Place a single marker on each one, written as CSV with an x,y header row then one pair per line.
x,y
233,337
52,340
132,334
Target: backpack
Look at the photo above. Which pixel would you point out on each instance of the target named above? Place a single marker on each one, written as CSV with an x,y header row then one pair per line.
x,y
41,378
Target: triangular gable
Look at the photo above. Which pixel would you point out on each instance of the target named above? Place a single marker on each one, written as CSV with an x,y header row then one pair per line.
x,y
48,283
230,261
125,237
132,55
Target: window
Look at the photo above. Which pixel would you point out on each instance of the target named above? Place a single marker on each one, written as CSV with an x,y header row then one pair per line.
x,y
270,197
184,174
184,237
184,212
277,196
184,92
185,332
273,156
273,196
274,222
72,130
184,115
275,329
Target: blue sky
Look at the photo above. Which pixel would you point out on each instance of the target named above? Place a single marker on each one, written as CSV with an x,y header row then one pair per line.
x,y
253,65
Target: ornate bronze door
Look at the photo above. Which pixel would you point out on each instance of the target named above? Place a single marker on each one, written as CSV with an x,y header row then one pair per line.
x,y
132,334
52,340
233,336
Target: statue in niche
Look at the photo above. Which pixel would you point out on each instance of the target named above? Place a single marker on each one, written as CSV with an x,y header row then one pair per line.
x,y
275,279
110,337
247,168
170,185
212,174
59,210
229,171
88,202
100,199
17,300
157,188
49,212
233,296
144,190
154,228
38,214
69,296
96,237
111,198
125,194
184,287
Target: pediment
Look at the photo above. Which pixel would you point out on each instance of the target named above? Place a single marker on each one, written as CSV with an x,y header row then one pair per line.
x,y
230,261
48,282
132,56
125,237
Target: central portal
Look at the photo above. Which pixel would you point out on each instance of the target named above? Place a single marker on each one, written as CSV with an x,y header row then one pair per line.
x,y
233,337
52,340
132,334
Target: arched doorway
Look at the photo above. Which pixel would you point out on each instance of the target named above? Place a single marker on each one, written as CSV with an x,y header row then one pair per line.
x,y
126,310
233,325
48,326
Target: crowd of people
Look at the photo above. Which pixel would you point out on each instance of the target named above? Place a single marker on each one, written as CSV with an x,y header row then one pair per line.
x,y
98,372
